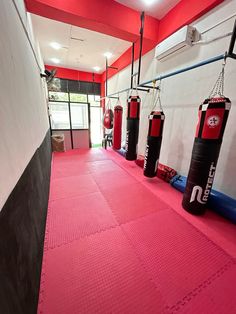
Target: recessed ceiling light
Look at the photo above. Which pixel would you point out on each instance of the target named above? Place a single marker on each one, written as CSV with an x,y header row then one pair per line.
x,y
108,55
55,60
55,45
97,68
149,2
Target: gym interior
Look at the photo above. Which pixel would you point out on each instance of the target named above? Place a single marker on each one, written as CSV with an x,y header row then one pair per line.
x,y
117,156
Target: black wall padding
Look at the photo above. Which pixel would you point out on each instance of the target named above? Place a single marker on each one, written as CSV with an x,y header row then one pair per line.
x,y
22,229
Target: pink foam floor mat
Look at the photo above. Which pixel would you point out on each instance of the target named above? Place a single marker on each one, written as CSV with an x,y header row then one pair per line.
x,y
75,218
98,274
117,242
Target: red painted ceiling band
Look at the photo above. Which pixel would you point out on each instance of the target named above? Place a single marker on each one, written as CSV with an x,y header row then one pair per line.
x,y
104,16
70,74
112,18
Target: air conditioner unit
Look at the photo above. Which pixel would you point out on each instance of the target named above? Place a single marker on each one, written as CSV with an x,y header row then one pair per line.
x,y
177,42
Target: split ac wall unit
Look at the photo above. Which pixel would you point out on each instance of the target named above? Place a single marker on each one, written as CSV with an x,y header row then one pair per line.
x,y
175,43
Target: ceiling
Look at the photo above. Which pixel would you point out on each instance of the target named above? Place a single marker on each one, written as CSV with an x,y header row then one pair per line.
x,y
83,52
158,9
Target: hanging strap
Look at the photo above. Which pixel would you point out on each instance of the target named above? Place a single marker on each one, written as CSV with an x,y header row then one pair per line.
x,y
218,89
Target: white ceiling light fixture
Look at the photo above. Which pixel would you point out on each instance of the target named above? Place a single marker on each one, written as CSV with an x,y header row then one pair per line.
x,y
55,60
108,55
149,2
55,45
96,68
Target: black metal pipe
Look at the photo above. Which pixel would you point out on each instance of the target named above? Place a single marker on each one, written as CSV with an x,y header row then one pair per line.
x,y
231,53
151,87
132,67
89,124
71,130
143,90
135,74
141,45
111,67
106,76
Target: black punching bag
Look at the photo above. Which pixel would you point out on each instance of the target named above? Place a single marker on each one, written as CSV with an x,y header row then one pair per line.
x,y
154,139
213,115
132,127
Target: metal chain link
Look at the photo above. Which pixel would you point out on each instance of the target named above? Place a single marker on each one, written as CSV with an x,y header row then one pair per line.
x,y
218,88
157,102
135,87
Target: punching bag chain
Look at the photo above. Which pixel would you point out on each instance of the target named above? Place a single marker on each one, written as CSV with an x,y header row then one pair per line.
x,y
135,83
157,102
218,88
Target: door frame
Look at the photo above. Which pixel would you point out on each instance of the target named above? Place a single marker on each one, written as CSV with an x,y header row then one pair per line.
x,y
70,120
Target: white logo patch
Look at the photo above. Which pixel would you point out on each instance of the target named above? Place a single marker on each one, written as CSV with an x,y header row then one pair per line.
x,y
213,121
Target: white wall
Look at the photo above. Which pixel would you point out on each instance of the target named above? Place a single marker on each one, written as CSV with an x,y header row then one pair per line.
x,y
182,94
23,108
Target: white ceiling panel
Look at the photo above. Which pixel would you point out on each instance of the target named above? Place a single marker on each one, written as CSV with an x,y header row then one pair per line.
x,y
81,49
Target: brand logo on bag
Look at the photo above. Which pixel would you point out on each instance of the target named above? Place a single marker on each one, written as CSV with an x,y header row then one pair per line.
x,y
146,156
198,193
213,121
127,140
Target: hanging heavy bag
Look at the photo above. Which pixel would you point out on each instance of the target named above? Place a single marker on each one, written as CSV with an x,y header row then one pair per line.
x,y
132,127
118,111
154,138
153,147
213,115
108,119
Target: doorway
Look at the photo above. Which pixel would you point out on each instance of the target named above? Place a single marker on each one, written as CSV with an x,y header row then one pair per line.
x,y
78,117
96,115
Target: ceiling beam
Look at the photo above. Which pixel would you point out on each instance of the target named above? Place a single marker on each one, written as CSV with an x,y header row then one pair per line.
x,y
103,16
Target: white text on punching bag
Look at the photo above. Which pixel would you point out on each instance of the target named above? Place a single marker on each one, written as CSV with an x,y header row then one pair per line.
x,y
146,156
197,190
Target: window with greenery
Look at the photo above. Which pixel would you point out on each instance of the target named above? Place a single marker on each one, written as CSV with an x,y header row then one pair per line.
x,y
78,97
58,96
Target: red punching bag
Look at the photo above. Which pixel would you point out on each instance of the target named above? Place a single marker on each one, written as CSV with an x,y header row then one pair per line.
x,y
132,127
118,111
108,119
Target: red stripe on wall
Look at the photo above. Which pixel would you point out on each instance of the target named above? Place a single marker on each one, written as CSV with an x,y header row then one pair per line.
x,y
70,74
112,18
184,13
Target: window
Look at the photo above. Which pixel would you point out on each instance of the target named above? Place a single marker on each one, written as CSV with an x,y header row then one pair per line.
x,y
94,100
79,115
78,97
58,96
59,115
